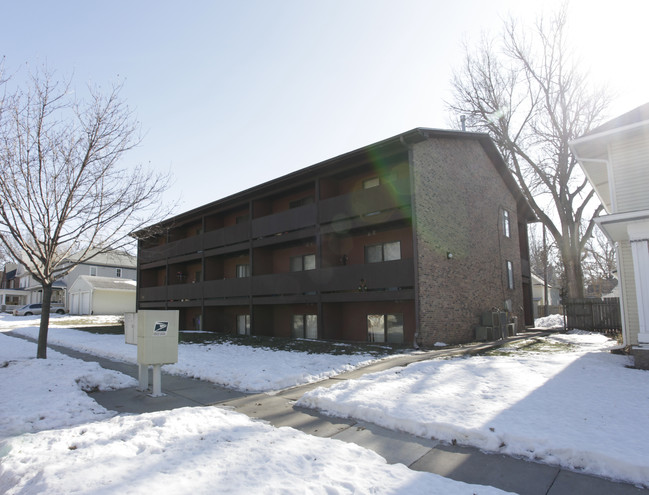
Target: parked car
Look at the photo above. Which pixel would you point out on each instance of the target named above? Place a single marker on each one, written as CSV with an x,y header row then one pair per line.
x,y
36,309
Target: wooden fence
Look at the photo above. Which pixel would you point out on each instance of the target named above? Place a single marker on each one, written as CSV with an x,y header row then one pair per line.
x,y
595,315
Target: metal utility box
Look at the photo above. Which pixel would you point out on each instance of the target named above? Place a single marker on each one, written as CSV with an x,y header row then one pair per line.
x,y
157,337
130,328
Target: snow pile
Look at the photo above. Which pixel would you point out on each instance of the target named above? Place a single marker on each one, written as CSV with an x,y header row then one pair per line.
x,y
235,366
41,394
578,406
550,321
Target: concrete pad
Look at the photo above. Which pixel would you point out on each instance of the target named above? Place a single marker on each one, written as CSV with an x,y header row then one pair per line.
x,y
472,466
569,483
133,401
394,446
280,412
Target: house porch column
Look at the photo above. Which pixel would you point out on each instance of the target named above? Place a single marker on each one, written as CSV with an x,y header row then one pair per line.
x,y
639,238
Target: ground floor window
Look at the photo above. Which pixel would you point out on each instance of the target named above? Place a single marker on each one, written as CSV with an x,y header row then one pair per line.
x,y
305,326
243,324
385,328
510,275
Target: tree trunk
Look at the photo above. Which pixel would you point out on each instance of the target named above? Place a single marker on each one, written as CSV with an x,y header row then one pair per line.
x,y
41,352
574,274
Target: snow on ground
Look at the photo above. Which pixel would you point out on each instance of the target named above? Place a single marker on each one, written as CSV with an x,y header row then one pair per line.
x,y
234,366
40,394
565,401
550,321
190,450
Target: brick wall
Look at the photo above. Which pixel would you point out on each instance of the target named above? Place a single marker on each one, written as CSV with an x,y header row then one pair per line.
x,y
459,197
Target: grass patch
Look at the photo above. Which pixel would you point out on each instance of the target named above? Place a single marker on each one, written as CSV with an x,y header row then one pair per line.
x,y
272,343
535,345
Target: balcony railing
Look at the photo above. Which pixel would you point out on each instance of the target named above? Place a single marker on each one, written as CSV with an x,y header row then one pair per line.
x,y
285,221
387,276
385,197
230,287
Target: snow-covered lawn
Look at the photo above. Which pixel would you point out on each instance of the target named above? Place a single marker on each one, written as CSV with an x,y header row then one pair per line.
x,y
81,449
42,394
235,366
566,400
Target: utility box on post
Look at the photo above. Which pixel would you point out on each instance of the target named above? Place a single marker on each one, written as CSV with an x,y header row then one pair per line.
x,y
155,332
157,337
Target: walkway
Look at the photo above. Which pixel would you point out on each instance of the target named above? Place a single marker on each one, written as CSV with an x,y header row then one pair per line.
x,y
452,461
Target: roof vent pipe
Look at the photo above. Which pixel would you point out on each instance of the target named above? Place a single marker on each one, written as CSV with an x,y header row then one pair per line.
x,y
463,120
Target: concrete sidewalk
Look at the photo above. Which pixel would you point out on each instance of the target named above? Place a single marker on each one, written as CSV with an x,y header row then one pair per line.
x,y
452,461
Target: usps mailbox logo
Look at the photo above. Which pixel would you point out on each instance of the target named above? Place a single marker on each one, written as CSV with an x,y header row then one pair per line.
x,y
160,328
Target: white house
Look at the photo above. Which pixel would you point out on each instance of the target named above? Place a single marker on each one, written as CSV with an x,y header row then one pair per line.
x,y
538,294
116,264
90,295
615,158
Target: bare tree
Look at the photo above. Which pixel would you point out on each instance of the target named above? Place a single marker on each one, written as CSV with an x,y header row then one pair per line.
x,y
599,264
529,94
62,188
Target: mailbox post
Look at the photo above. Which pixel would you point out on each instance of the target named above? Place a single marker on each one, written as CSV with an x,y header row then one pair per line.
x,y
155,332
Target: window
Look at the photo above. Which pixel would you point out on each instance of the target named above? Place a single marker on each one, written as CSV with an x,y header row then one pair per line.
x,y
305,326
510,275
385,328
387,251
243,271
242,218
93,271
118,273
301,202
243,324
506,224
301,263
369,183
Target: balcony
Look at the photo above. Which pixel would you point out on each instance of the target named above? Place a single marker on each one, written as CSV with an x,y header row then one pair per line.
x,y
376,199
386,275
285,221
153,293
230,287
285,283
185,291
227,236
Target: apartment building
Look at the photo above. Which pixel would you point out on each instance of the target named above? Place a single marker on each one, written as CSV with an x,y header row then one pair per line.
x,y
408,240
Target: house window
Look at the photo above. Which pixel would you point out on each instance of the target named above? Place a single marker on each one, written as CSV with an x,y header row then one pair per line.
x,y
243,271
385,328
305,327
386,251
93,271
510,275
370,183
506,224
243,324
301,263
242,218
118,273
197,276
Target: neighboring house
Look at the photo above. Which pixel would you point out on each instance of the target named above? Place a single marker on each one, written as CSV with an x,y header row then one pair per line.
x,y
101,296
117,264
11,296
615,158
407,240
538,295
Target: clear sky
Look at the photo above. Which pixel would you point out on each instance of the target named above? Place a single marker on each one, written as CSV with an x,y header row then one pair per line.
x,y
233,93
